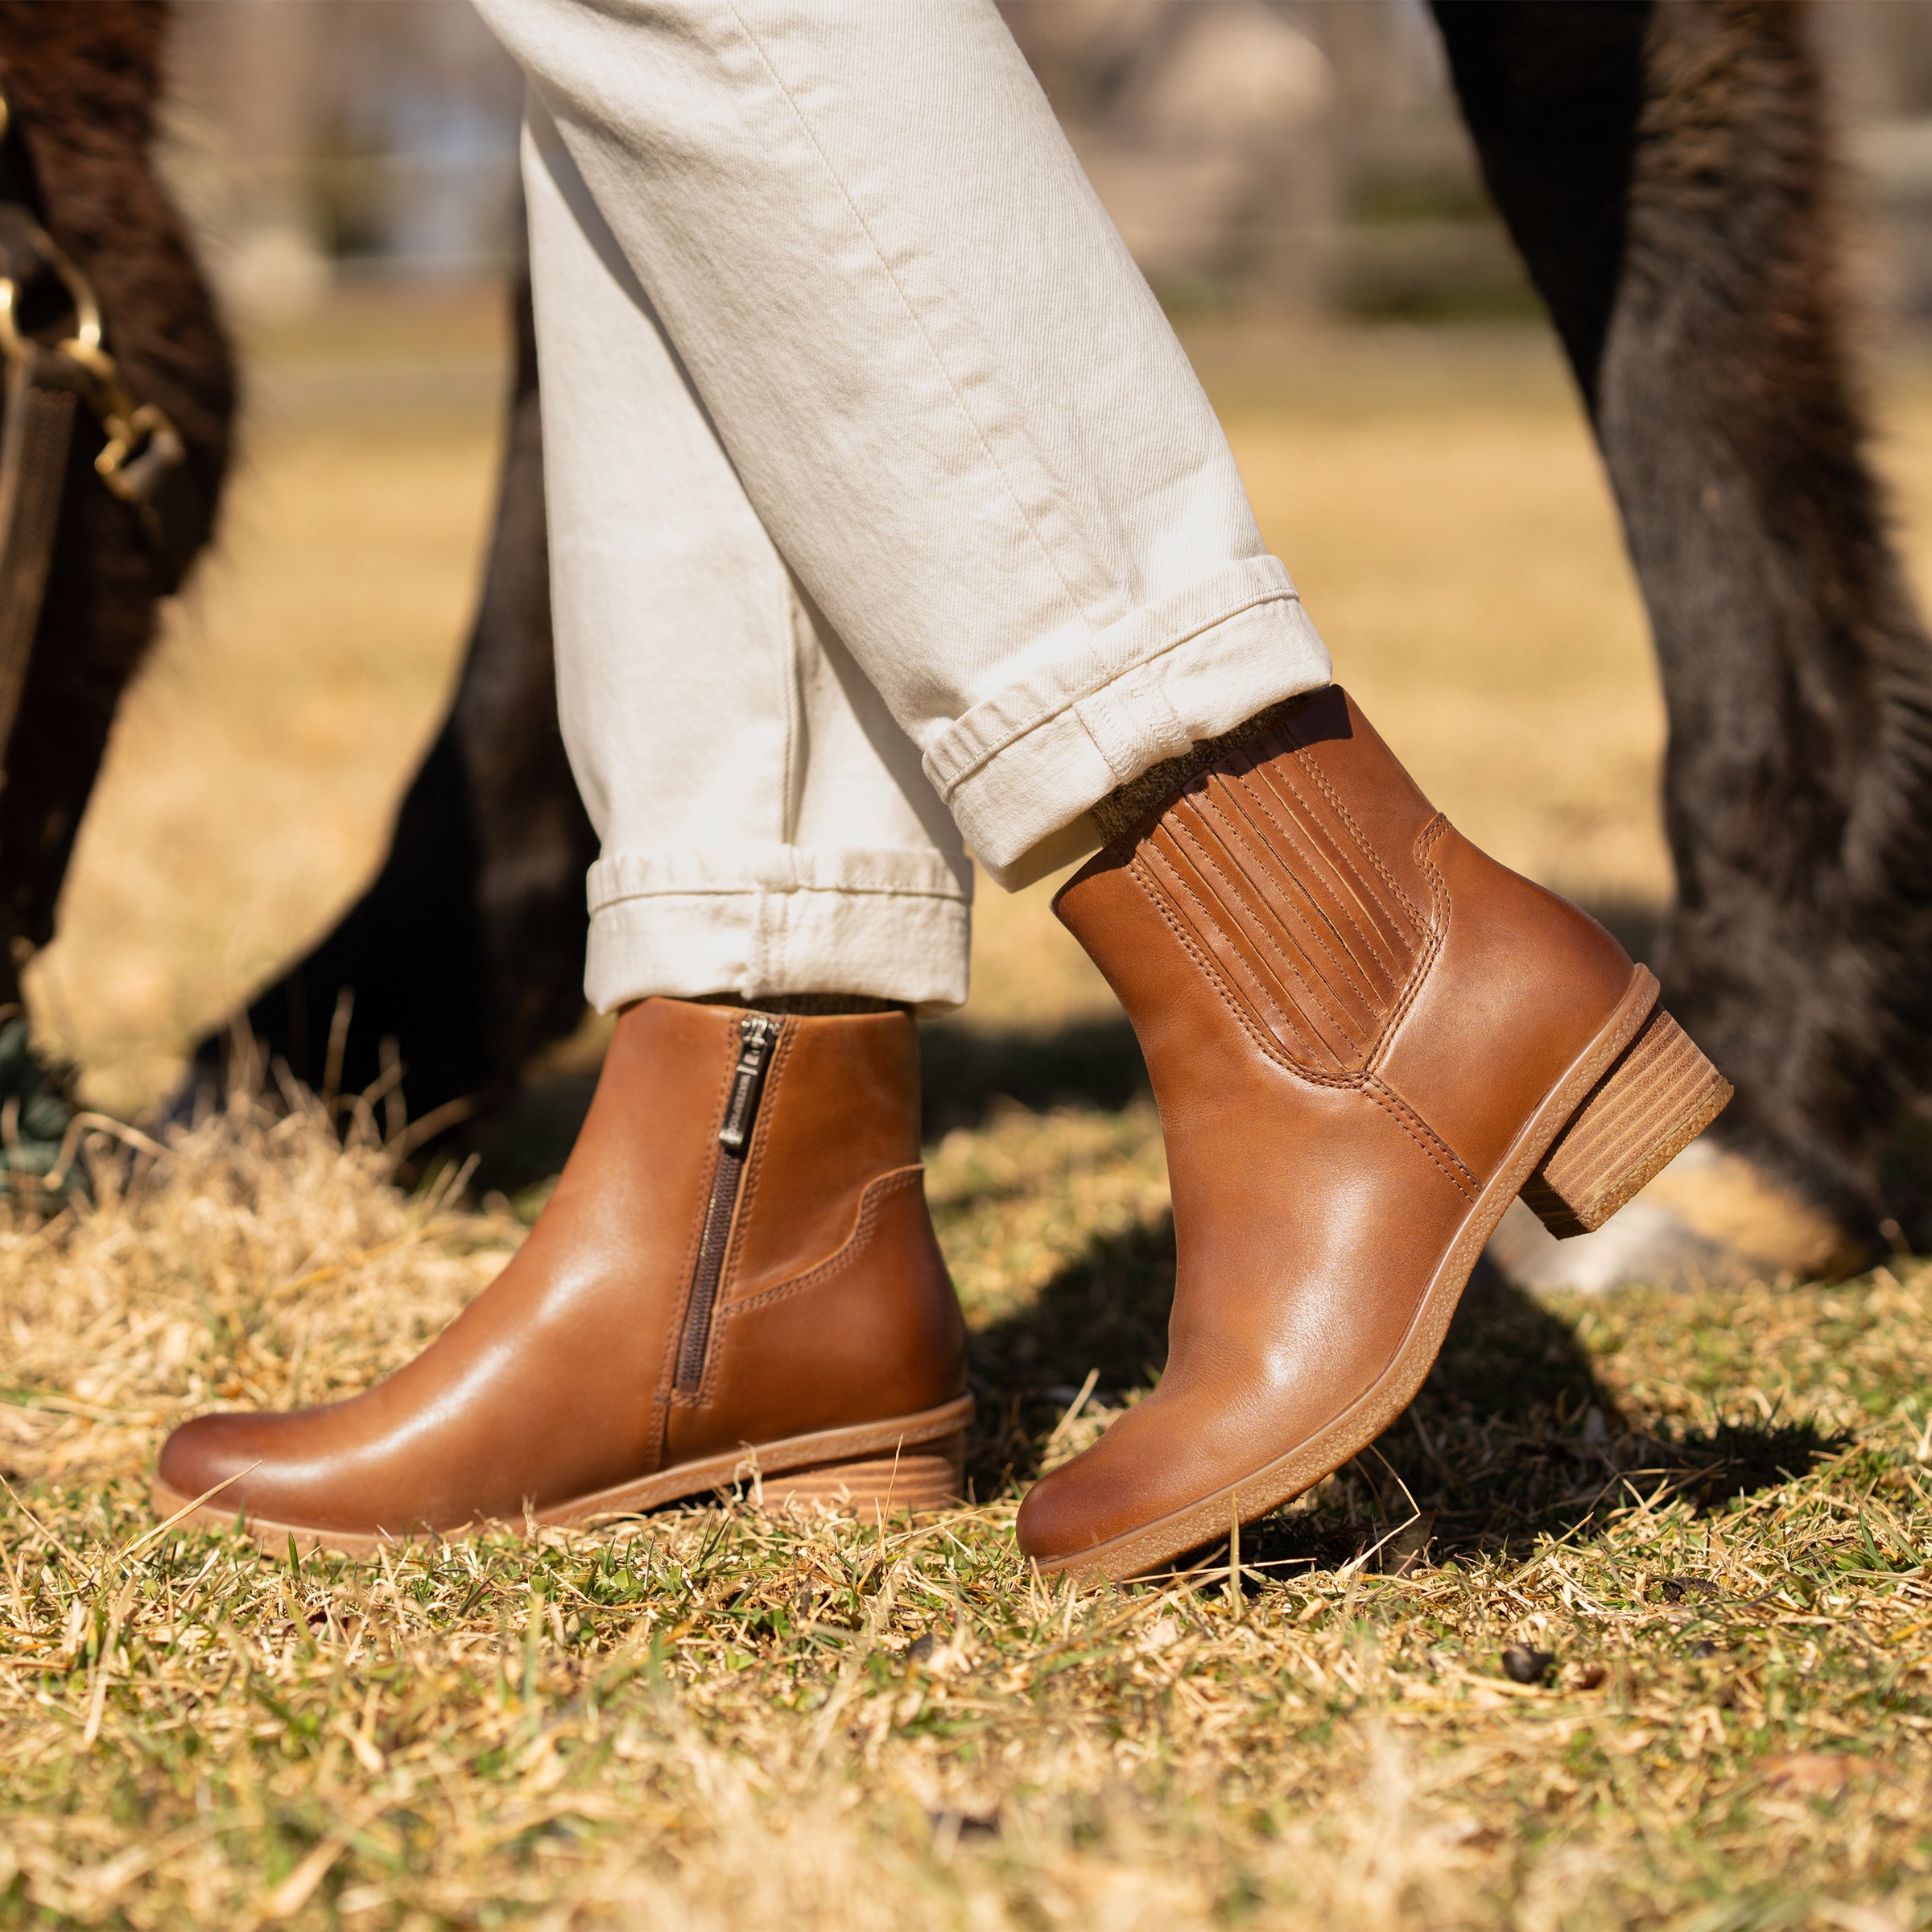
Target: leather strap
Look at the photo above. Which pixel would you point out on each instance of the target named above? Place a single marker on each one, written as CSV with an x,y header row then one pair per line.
x,y
36,438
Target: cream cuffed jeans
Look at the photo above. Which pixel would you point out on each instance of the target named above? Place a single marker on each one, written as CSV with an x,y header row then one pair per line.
x,y
887,518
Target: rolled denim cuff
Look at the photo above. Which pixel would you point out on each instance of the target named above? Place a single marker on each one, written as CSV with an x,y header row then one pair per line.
x,y
762,920
1021,770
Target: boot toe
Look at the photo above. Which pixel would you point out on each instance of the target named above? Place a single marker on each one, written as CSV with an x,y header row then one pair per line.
x,y
219,1453
1084,1504
1158,1462
1051,1526
252,1465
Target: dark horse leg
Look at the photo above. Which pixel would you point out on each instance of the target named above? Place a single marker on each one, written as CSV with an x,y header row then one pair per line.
x,y
1667,173
466,954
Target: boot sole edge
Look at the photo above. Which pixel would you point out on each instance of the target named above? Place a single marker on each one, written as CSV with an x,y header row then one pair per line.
x,y
911,1463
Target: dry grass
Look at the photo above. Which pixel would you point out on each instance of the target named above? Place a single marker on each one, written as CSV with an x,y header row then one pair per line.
x,y
1712,1511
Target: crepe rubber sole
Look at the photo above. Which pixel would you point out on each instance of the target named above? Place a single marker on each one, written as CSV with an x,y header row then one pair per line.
x,y
912,1462
1634,1098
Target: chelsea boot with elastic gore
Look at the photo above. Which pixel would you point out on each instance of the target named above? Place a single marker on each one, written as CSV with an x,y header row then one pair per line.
x,y
1366,1039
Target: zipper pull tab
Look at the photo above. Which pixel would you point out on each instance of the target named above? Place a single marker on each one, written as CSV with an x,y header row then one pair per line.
x,y
758,1034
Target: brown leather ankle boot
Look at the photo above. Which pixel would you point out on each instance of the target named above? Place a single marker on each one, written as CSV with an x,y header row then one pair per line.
x,y
737,1276
1365,1039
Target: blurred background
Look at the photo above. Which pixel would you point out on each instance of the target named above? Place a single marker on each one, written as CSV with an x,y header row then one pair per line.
x,y
1295,181
1302,152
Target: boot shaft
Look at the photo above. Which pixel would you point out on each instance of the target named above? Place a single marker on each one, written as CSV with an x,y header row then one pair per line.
x,y
1303,897
816,1291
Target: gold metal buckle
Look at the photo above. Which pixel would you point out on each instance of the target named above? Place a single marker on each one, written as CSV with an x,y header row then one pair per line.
x,y
141,444
84,344
142,447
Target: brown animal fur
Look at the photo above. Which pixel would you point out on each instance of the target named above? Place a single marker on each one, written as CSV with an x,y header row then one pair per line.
x,y
85,81
1668,172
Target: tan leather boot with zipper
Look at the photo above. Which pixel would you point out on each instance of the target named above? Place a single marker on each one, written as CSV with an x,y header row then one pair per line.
x,y
737,1278
1366,1039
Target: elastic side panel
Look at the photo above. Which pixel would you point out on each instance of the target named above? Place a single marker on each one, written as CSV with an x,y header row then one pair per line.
x,y
1273,882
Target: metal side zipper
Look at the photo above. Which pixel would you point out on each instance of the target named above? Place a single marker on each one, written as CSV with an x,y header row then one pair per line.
x,y
758,1035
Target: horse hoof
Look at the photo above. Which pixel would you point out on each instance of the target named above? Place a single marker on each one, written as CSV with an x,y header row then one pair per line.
x,y
1711,1219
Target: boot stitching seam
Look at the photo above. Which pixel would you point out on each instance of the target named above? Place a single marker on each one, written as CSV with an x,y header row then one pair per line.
x,y
1339,1022
1293,732
1137,870
1243,830
1270,800
1172,900
901,1180
1271,1049
1368,999
1231,931
1155,866
1320,779
1290,729
1293,833
1430,1143
1433,936
1361,842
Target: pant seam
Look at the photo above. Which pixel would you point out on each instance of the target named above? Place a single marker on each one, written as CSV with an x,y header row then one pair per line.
x,y
792,620
913,316
688,867
775,891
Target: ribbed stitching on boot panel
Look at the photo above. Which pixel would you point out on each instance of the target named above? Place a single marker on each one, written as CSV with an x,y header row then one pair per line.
x,y
1279,887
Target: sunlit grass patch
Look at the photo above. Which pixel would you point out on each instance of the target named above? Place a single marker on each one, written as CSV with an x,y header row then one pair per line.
x,y
1703,1520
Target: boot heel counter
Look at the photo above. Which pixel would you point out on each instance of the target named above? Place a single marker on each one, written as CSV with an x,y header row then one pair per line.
x,y
949,1317
1519,978
874,1330
919,1360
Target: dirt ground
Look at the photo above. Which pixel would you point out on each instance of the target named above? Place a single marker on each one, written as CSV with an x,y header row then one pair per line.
x,y
1433,490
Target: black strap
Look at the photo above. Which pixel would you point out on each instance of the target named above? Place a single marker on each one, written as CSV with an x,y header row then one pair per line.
x,y
43,395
